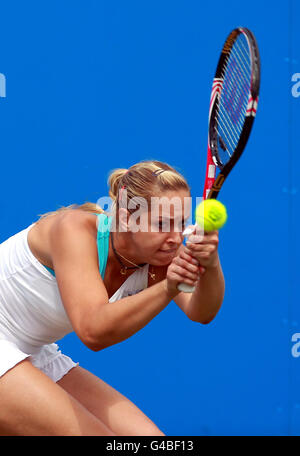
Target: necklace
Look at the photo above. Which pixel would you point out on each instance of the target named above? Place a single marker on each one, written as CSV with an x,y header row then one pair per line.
x,y
125,268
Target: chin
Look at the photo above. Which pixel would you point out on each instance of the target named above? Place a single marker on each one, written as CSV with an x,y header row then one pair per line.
x,y
162,258
160,263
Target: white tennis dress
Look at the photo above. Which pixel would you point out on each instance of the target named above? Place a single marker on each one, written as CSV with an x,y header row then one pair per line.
x,y
32,315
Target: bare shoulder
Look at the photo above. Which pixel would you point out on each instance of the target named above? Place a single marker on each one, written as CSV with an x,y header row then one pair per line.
x,y
83,219
72,225
72,237
39,235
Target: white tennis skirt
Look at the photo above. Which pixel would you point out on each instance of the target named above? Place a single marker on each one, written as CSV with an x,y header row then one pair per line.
x,y
48,358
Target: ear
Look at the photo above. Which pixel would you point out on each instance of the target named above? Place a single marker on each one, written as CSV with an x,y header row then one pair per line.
x,y
123,220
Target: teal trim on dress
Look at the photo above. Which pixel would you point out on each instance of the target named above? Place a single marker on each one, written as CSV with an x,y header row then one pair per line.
x,y
50,270
104,224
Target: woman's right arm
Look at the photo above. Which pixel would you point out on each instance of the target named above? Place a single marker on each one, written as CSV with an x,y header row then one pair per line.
x,y
97,322
121,319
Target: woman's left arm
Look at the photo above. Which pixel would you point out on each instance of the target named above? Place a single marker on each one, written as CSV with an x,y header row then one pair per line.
x,y
204,303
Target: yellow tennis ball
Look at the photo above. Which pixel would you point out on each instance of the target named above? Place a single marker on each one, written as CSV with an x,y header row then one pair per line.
x,y
211,215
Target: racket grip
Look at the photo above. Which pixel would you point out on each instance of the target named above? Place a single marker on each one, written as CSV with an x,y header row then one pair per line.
x,y
186,288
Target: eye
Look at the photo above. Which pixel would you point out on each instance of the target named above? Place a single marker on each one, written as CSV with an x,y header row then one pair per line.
x,y
181,225
163,226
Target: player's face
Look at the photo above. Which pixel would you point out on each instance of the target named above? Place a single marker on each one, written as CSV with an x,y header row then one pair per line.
x,y
164,223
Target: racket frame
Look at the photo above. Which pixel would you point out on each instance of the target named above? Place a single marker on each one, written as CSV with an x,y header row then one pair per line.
x,y
213,184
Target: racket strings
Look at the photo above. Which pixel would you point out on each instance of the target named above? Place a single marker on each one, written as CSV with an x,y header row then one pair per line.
x,y
241,54
236,78
236,88
233,101
226,125
228,134
245,51
236,81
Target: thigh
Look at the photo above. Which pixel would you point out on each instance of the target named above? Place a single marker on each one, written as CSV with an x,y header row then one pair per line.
x,y
32,404
107,404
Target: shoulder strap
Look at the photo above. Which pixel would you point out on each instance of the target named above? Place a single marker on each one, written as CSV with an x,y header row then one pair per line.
x,y
104,224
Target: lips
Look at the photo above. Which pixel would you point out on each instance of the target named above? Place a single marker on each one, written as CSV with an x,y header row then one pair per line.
x,y
168,251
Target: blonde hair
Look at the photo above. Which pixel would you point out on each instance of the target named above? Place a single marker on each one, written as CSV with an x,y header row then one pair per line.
x,y
144,179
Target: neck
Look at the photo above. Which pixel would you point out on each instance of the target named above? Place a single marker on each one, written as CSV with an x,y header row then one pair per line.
x,y
119,251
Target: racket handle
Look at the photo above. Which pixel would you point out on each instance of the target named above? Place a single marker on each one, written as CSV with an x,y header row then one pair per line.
x,y
186,288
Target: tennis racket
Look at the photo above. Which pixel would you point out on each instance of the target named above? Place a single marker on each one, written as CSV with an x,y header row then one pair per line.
x,y
232,109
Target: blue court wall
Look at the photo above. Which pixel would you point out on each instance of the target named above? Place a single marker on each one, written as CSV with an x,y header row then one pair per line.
x,y
87,86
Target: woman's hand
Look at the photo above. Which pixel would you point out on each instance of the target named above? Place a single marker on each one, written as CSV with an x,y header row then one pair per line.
x,y
184,268
204,248
192,260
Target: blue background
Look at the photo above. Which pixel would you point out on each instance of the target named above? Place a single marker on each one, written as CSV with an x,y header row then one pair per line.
x,y
94,85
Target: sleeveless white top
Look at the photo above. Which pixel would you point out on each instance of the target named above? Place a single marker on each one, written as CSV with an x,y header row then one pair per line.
x,y
31,310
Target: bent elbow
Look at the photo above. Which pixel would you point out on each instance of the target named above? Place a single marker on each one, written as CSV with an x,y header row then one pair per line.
x,y
94,330
94,339
95,343
203,321
206,322
93,346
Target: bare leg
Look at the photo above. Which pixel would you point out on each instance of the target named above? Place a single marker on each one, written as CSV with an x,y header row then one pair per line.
x,y
32,404
107,404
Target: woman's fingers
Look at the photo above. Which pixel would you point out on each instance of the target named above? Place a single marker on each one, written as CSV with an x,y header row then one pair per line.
x,y
203,238
183,270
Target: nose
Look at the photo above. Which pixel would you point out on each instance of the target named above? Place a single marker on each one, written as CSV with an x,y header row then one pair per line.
x,y
175,237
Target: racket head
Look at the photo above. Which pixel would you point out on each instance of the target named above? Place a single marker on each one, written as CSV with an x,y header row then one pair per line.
x,y
232,110
233,106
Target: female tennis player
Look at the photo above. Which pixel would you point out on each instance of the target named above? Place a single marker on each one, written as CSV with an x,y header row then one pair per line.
x,y
79,269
